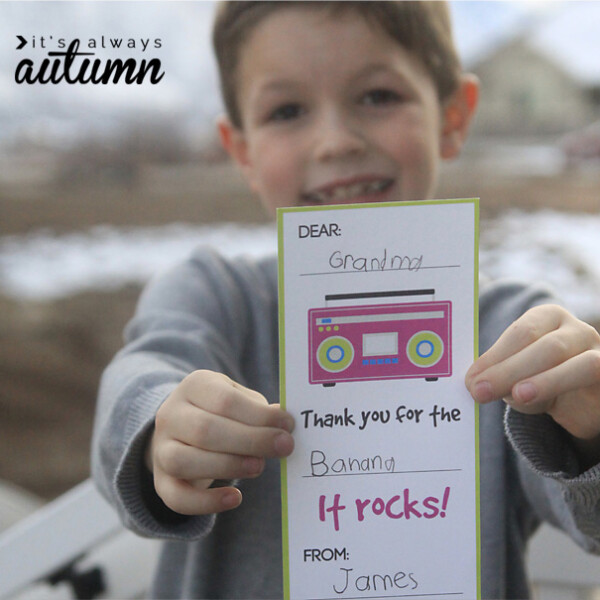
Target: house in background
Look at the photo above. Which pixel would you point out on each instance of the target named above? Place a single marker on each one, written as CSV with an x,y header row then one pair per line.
x,y
542,81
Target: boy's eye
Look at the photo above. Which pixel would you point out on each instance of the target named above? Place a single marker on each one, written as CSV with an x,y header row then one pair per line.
x,y
286,112
380,96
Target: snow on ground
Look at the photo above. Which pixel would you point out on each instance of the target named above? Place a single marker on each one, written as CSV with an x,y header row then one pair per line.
x,y
561,249
45,266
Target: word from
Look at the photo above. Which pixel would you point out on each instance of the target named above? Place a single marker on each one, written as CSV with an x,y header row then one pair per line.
x,y
325,554
315,230
376,582
399,506
319,466
349,262
62,69
403,415
93,43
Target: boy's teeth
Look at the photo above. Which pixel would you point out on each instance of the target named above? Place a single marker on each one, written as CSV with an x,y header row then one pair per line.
x,y
348,192
376,186
344,193
320,197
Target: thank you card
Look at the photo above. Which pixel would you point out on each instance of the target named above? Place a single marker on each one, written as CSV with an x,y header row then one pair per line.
x,y
378,326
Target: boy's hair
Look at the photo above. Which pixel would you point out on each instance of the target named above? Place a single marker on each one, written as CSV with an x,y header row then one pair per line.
x,y
422,27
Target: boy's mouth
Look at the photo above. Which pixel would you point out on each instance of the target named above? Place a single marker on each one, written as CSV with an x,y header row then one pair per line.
x,y
340,193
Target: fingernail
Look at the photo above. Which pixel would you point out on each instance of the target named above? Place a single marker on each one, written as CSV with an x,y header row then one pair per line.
x,y
283,444
231,500
252,465
287,424
525,392
483,391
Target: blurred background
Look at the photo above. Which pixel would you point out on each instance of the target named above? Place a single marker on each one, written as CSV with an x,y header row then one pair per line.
x,y
101,186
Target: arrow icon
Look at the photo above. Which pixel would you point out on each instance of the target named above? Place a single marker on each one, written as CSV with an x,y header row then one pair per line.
x,y
23,42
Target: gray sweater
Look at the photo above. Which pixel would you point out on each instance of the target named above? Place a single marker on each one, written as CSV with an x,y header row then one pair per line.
x,y
220,314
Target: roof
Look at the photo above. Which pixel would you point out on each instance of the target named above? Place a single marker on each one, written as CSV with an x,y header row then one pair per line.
x,y
565,33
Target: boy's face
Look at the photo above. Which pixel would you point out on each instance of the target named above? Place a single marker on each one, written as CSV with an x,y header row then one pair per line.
x,y
335,111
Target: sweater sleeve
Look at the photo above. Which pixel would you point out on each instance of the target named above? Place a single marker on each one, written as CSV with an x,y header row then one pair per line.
x,y
199,315
560,492
556,488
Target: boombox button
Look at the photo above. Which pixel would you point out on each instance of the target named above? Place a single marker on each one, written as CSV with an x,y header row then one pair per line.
x,y
379,361
328,328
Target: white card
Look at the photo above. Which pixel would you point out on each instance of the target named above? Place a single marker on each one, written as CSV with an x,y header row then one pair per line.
x,y
378,326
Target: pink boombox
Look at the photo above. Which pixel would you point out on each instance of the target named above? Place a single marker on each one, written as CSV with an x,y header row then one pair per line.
x,y
380,341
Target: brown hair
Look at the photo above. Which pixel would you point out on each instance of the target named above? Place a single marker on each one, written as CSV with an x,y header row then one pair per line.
x,y
422,27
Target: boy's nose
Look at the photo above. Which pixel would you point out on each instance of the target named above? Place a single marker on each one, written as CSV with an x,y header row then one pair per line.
x,y
337,138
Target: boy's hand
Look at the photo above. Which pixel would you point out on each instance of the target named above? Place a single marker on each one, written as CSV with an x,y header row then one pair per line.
x,y
547,361
213,428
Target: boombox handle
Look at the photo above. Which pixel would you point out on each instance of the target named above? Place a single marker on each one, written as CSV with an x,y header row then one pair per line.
x,y
389,294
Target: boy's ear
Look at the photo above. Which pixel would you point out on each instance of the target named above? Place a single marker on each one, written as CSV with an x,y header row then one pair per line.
x,y
234,142
457,113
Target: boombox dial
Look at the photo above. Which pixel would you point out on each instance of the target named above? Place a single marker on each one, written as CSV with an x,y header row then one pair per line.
x,y
335,354
424,349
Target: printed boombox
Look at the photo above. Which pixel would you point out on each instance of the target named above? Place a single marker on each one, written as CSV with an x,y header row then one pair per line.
x,y
380,341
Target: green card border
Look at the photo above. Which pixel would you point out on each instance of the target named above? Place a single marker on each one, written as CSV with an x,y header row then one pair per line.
x,y
282,387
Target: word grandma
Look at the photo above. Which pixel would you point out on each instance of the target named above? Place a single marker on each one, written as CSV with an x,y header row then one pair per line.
x,y
64,67
395,262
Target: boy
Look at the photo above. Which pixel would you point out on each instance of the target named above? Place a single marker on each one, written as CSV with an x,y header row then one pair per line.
x,y
329,103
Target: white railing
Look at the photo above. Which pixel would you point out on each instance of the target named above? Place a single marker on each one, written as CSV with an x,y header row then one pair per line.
x,y
560,570
75,547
